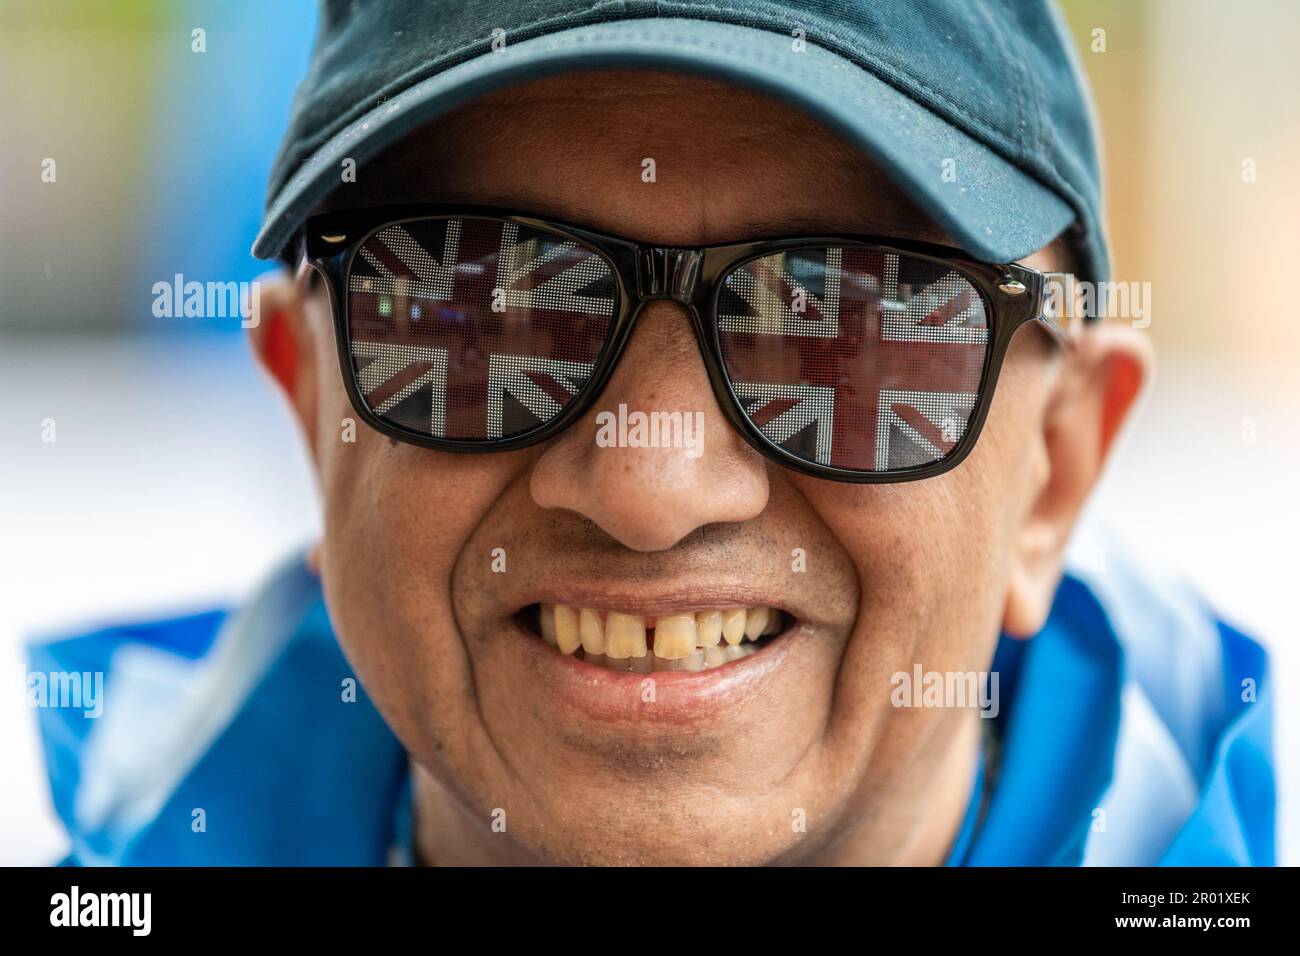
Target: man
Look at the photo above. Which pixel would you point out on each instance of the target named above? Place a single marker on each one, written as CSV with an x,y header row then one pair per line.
x,y
819,616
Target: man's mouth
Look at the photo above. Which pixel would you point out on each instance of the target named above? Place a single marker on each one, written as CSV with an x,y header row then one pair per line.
x,y
626,641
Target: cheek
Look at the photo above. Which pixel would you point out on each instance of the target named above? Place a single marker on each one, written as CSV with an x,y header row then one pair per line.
x,y
396,521
397,518
933,557
930,563
389,520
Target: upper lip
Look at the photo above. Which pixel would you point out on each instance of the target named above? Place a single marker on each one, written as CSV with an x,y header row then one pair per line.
x,y
660,600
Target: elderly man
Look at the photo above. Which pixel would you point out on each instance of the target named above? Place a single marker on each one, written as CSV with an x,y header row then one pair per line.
x,y
809,607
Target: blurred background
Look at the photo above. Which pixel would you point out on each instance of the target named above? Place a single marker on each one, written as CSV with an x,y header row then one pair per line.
x,y
176,480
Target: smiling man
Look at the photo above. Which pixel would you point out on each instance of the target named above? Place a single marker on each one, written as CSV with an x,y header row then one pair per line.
x,y
834,627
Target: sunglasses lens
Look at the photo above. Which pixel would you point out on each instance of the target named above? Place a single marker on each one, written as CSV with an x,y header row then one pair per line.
x,y
475,329
854,357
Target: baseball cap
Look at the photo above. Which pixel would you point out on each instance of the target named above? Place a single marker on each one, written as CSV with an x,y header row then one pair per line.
x,y
976,108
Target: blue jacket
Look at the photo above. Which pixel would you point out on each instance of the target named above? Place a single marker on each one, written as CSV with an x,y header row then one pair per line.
x,y
1134,730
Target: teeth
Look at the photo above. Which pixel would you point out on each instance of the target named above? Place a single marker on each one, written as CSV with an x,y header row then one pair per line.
x,y
692,662
708,628
733,625
566,629
592,632
682,642
675,637
625,636
548,624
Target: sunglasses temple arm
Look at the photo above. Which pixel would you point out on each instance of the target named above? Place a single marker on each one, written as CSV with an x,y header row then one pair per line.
x,y
1058,309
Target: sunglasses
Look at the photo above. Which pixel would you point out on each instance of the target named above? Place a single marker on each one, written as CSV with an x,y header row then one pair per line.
x,y
858,359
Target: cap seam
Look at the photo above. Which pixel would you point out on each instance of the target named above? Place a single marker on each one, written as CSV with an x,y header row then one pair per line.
x,y
1051,176
1024,116
1091,228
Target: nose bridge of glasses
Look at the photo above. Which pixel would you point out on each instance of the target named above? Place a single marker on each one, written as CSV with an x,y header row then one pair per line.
x,y
667,272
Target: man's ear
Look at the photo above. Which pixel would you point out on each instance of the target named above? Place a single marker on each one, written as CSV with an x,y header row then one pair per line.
x,y
285,346
1090,399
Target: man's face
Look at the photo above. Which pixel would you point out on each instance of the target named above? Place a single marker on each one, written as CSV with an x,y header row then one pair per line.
x,y
793,753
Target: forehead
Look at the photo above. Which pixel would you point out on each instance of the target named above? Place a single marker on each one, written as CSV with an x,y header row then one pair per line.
x,y
658,157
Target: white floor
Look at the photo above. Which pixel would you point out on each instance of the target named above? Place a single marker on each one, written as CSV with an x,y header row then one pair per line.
x,y
176,481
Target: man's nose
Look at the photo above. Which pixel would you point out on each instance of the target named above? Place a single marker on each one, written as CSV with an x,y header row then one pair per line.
x,y
654,458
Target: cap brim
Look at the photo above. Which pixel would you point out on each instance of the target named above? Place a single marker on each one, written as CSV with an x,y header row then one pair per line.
x,y
991,208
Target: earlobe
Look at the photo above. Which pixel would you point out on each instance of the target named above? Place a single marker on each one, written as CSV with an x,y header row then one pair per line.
x,y
279,352
1090,401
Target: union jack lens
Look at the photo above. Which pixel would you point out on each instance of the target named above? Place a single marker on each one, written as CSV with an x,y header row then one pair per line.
x,y
854,357
475,328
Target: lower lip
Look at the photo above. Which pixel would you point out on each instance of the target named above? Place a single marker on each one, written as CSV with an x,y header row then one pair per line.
x,y
679,697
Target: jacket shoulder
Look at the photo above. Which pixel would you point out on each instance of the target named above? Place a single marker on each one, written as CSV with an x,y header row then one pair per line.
x,y
216,718
1193,764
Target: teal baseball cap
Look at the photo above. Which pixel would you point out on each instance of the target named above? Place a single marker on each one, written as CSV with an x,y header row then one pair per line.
x,y
976,108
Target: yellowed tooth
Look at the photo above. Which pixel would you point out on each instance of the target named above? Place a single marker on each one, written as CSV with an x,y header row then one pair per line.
x,y
773,622
733,625
592,631
675,637
735,652
715,656
566,629
694,662
708,628
755,621
548,624
624,635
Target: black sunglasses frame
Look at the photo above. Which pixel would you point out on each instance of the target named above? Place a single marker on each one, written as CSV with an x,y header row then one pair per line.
x,y
1013,296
